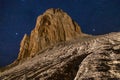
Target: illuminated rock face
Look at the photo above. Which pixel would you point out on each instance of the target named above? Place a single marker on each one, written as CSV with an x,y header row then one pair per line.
x,y
52,27
60,51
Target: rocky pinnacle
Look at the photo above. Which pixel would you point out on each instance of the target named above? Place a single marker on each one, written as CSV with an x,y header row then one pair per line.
x,y
52,27
57,50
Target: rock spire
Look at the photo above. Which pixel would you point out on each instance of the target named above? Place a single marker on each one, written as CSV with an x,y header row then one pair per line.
x,y
51,27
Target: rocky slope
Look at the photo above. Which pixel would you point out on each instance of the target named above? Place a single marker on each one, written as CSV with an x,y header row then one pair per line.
x,y
93,58
66,54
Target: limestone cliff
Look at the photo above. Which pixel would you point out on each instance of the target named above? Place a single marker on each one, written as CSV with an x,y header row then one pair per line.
x,y
52,27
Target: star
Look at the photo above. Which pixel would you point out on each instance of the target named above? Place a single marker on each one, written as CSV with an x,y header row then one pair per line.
x,y
16,33
93,29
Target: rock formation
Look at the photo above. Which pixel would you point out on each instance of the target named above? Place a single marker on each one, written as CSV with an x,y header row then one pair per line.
x,y
72,57
24,47
52,27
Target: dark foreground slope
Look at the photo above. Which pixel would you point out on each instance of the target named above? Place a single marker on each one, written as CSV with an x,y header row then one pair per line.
x,y
95,58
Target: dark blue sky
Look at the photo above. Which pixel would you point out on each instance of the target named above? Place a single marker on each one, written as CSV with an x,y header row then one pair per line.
x,y
18,17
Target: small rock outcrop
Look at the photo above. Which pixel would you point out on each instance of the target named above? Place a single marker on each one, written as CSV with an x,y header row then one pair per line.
x,y
52,27
24,47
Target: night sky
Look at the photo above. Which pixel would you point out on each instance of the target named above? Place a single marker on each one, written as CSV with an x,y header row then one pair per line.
x,y
18,17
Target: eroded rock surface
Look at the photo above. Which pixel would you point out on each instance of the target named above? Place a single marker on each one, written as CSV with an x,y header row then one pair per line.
x,y
92,58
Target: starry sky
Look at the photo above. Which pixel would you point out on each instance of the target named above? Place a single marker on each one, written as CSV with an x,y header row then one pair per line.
x,y
18,17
